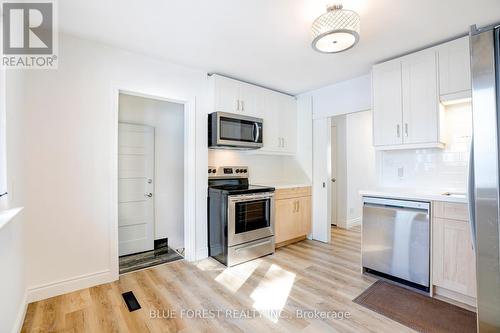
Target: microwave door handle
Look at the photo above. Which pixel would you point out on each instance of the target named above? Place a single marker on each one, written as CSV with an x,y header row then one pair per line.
x,y
257,131
257,136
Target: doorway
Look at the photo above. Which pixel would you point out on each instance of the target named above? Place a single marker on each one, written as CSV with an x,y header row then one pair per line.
x,y
352,166
344,162
150,182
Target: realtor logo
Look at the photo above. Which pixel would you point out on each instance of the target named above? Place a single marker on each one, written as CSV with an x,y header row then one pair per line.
x,y
28,34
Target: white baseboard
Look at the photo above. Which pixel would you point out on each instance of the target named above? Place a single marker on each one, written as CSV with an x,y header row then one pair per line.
x,y
68,285
346,224
18,324
353,222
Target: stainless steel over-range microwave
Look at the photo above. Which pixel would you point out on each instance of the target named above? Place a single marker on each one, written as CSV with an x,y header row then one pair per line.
x,y
229,130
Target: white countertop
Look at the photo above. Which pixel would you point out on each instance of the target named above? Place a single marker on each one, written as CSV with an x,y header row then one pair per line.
x,y
412,194
283,185
8,215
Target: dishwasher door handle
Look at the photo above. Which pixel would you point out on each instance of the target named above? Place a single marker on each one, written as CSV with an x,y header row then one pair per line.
x,y
388,207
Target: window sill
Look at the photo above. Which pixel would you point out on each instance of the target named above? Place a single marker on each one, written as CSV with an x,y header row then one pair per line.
x,y
8,215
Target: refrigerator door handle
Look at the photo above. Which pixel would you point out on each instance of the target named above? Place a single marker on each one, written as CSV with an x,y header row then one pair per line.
x,y
470,195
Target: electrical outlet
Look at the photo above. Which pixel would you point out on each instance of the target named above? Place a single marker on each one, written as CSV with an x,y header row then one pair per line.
x,y
401,172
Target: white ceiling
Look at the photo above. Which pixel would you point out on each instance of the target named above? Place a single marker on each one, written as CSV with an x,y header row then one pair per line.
x,y
268,41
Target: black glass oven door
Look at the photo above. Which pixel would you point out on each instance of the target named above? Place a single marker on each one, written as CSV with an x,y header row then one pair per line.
x,y
250,219
252,215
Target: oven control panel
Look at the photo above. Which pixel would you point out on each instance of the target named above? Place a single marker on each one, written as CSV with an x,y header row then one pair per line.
x,y
228,172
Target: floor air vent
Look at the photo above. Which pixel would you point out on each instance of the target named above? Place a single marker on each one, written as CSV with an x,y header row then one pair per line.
x,y
131,301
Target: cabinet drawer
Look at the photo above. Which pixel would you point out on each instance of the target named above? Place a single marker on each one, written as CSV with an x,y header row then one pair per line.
x,y
451,210
295,192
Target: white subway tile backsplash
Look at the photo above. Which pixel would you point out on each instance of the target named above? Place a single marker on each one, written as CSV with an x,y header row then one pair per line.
x,y
434,169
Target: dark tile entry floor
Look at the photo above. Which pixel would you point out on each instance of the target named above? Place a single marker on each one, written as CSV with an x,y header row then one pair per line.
x,y
141,260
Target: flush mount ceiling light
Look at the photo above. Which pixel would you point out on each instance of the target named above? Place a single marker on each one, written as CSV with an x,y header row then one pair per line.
x,y
336,30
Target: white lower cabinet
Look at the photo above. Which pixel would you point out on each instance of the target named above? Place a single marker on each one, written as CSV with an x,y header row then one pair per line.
x,y
453,258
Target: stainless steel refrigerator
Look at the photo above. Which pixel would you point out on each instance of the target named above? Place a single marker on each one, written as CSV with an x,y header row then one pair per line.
x,y
484,173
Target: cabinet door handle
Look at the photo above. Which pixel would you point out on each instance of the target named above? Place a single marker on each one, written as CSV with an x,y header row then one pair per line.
x,y
298,206
406,129
242,105
237,105
398,131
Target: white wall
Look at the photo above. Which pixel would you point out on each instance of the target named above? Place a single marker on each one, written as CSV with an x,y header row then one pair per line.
x,y
343,97
3,144
263,168
304,134
361,162
168,120
433,169
65,144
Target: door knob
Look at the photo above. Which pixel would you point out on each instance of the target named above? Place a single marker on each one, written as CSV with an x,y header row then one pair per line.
x,y
334,180
149,195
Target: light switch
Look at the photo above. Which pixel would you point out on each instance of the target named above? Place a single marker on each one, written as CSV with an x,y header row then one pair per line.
x,y
401,172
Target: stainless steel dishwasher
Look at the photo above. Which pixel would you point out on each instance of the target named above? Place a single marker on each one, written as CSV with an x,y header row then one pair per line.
x,y
396,240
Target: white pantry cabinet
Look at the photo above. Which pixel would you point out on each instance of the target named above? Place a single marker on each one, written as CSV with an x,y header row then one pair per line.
x,y
406,108
454,69
279,111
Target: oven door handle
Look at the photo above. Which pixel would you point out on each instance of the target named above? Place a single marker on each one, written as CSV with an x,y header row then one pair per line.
x,y
251,197
243,248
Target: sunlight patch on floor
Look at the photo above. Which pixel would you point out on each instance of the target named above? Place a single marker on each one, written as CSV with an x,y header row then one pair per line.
x,y
271,294
208,264
233,277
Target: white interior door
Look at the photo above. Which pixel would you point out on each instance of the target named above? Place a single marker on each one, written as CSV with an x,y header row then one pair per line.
x,y
321,180
135,188
334,175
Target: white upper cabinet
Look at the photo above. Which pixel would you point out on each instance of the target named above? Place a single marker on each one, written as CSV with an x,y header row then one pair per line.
x,y
406,102
279,111
454,69
226,94
387,104
420,98
280,123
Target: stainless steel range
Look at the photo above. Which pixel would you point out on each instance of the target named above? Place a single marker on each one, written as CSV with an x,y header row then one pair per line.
x,y
240,216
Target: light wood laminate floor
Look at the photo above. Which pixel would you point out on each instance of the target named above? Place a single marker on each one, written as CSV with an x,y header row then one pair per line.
x,y
299,278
